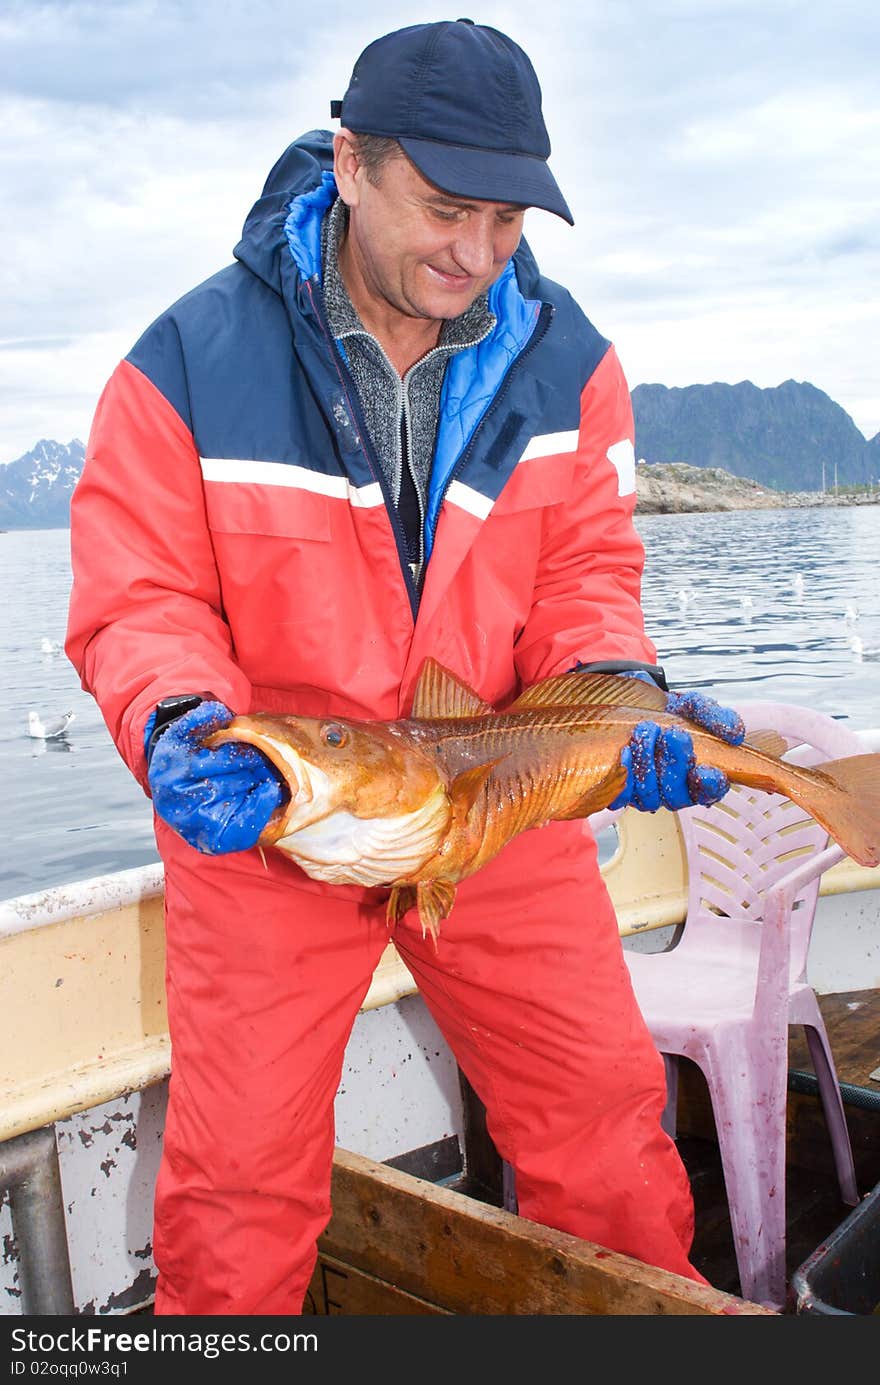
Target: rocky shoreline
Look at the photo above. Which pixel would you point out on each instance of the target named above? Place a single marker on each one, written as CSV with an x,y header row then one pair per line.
x,y
667,488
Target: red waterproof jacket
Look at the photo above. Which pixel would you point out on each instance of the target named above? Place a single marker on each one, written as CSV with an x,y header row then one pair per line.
x,y
231,531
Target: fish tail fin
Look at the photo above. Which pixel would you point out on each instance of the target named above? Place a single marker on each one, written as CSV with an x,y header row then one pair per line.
x,y
849,806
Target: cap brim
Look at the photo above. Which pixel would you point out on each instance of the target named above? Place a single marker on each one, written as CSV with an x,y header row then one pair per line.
x,y
488,175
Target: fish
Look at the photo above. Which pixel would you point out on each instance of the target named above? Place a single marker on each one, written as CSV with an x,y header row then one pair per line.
x,y
421,803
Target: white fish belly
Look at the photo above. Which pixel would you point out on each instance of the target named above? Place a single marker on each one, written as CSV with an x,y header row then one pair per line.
x,y
346,850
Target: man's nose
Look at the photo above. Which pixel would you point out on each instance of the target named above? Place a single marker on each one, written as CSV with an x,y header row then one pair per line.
x,y
474,247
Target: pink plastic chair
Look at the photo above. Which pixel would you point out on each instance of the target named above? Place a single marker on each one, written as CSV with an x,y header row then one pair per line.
x,y
725,994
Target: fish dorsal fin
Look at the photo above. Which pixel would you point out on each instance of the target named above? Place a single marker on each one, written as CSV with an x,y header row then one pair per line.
x,y
440,693
768,742
591,690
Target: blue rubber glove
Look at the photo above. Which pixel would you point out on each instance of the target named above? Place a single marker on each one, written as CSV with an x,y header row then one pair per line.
x,y
661,765
217,800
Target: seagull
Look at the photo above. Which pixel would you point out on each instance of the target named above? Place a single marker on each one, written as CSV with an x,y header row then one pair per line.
x,y
686,595
48,730
851,614
862,650
51,646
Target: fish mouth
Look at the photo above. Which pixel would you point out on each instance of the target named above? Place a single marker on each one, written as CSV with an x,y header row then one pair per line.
x,y
295,774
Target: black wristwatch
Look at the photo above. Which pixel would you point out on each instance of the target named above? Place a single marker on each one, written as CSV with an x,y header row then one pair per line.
x,y
626,666
168,709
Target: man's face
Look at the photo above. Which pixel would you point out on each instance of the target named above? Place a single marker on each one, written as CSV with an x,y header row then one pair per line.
x,y
421,251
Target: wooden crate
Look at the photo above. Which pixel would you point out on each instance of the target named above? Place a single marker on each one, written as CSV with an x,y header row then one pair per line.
x,y
399,1245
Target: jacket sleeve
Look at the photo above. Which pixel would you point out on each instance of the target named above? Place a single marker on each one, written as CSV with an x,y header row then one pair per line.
x,y
145,617
587,593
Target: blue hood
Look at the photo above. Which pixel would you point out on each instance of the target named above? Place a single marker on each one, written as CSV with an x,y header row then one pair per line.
x,y
305,168
298,171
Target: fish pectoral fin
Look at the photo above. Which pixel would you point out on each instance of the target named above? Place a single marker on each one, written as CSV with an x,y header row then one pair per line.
x,y
465,787
591,690
435,900
597,797
440,693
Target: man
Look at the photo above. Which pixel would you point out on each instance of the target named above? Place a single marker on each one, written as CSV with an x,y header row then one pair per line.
x,y
380,435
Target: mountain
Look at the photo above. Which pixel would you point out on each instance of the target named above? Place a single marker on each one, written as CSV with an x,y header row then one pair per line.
x,y
791,438
781,437
35,490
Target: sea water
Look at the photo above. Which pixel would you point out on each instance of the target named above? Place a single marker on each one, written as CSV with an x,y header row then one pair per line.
x,y
780,605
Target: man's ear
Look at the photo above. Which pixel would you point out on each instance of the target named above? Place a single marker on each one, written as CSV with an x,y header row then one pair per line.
x,y
347,167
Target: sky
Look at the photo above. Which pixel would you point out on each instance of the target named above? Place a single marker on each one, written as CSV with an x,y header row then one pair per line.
x,y
721,159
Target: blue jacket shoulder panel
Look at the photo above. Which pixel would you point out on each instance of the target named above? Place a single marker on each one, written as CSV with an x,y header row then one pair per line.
x,y
574,344
222,355
223,358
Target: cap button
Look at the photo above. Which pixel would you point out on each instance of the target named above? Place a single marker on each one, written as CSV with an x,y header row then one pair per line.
x,y
464,21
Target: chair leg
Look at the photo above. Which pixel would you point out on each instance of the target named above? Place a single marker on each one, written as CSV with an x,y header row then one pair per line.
x,y
835,1117
509,1201
669,1119
751,1138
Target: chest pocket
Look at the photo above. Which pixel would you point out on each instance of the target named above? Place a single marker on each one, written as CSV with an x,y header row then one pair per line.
x,y
273,511
536,482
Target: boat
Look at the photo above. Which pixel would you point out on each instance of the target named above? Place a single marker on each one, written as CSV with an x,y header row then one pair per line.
x,y
82,1101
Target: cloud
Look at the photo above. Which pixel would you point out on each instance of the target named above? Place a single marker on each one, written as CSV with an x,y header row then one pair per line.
x,y
718,155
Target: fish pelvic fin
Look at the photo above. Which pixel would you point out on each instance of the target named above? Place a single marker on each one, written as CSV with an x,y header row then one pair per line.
x,y
434,899
591,690
401,899
440,693
851,810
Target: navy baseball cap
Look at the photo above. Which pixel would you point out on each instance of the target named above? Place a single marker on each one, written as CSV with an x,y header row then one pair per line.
x,y
464,102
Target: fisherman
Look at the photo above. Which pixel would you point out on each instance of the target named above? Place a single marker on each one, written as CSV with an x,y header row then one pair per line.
x,y
381,435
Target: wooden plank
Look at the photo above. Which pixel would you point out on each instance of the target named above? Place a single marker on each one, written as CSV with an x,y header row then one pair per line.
x,y
338,1289
463,1256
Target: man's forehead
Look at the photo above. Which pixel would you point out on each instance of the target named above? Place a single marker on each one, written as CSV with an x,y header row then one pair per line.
x,y
449,199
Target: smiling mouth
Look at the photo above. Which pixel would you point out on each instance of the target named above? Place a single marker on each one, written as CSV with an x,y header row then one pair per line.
x,y
447,276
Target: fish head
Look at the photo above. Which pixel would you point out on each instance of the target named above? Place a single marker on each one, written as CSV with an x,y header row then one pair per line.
x,y
330,765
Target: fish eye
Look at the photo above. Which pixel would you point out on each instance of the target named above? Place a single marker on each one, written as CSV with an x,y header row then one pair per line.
x,y
333,734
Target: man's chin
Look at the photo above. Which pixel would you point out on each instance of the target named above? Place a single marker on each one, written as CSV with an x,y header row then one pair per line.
x,y
442,303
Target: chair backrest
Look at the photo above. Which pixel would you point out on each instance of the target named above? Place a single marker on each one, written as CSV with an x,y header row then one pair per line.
x,y
738,848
